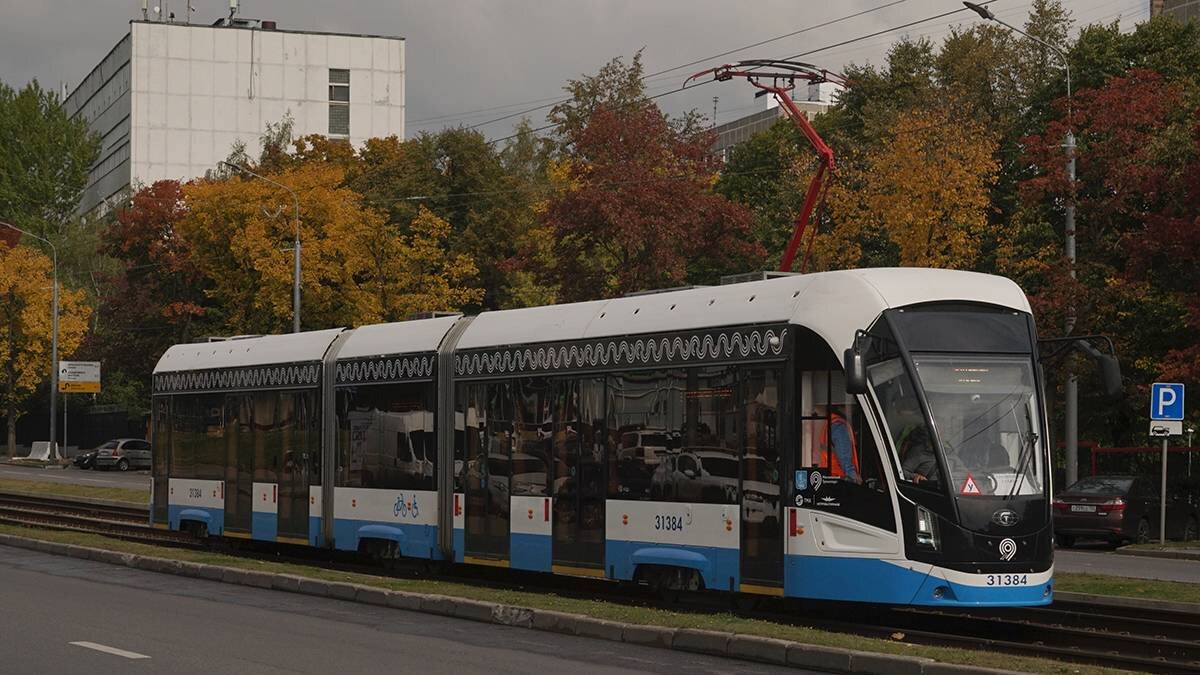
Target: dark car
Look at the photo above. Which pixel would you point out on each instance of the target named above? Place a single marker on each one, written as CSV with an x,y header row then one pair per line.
x,y
1120,509
86,460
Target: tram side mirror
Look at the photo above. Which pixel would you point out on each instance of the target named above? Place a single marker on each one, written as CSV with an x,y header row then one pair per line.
x,y
856,372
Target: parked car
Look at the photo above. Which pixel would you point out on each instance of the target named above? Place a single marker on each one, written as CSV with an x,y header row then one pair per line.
x,y
1120,509
86,460
124,454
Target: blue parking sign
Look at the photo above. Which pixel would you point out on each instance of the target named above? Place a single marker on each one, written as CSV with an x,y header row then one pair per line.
x,y
1166,401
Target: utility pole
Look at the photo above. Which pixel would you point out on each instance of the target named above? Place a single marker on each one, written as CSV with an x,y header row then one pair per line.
x,y
295,241
1071,409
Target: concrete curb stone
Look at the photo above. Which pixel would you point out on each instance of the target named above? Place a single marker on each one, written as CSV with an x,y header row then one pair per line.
x,y
887,664
754,648
746,647
474,610
286,582
586,626
654,636
404,600
833,659
1136,603
555,622
373,596
1186,554
702,641
511,615
437,604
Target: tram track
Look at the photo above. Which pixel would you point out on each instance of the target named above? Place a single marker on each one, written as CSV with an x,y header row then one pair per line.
x,y
1094,633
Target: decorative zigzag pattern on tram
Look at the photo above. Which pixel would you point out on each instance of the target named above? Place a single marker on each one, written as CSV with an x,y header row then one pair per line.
x,y
388,369
626,351
255,377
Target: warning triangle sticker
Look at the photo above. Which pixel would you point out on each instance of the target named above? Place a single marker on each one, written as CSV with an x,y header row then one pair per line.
x,y
969,487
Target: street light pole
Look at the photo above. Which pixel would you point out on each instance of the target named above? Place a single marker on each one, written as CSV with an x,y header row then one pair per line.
x,y
53,340
1072,393
295,242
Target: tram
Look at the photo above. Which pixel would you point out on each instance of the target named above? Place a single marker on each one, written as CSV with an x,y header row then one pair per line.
x,y
872,435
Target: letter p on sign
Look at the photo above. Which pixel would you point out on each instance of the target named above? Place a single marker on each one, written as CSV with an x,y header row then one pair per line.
x,y
1166,401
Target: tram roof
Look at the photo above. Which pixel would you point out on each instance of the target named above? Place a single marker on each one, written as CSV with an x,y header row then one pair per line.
x,y
832,304
255,351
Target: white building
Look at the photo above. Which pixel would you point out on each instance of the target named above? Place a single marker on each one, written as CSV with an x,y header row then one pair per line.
x,y
819,97
170,100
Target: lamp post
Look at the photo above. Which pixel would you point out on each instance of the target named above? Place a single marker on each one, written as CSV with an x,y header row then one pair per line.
x,y
1072,394
53,341
295,242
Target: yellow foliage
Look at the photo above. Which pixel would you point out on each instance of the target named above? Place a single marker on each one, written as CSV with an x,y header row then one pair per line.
x,y
926,189
26,321
355,268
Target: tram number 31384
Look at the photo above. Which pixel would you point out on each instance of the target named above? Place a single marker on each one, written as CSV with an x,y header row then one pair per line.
x,y
670,523
1007,579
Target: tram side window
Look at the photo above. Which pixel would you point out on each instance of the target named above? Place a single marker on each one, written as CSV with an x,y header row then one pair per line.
x,y
470,429
197,437
645,417
533,427
836,441
386,437
911,441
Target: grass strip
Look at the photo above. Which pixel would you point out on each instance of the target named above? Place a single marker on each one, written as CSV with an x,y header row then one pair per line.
x,y
70,490
1144,589
594,608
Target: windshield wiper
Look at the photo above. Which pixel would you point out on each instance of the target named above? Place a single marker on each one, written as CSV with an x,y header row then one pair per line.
x,y
1027,445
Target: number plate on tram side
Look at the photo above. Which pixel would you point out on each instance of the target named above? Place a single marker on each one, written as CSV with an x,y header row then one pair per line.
x,y
1008,580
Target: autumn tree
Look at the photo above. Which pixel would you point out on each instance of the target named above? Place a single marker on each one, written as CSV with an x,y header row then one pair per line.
x,y
26,288
641,212
155,296
925,189
353,270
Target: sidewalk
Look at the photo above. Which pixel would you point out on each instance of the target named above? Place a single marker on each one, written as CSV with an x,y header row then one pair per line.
x,y
1170,552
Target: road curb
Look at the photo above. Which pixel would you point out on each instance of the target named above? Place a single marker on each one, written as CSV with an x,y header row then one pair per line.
x,y
1130,603
1167,554
715,643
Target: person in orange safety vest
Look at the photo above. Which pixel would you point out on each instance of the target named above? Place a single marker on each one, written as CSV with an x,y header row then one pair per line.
x,y
844,462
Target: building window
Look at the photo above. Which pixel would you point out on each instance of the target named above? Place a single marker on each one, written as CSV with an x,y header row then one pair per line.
x,y
339,102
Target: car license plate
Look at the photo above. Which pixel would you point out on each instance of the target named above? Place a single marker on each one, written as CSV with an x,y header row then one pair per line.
x,y
1083,508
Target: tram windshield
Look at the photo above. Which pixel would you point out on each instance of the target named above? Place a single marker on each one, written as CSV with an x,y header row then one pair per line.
x,y
985,410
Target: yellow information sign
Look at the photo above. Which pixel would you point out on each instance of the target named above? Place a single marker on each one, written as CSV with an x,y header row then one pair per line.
x,y
65,387
79,377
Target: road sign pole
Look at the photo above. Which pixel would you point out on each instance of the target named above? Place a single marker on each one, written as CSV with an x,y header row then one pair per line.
x,y
1162,514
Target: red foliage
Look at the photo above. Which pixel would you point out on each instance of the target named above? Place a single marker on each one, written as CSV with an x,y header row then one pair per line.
x,y
642,210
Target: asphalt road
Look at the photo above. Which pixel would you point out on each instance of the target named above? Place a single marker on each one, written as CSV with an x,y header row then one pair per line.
x,y
129,479
1115,564
62,615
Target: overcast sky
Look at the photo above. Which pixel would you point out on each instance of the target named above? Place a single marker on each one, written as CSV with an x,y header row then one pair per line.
x,y
466,55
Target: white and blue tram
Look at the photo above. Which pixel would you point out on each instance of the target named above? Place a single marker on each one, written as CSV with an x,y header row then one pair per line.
x,y
709,437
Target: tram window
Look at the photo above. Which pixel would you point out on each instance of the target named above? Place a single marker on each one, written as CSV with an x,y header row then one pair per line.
x,y
837,442
911,441
383,431
645,419
470,422
533,427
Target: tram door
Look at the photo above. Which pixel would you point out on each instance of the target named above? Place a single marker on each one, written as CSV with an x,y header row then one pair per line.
x,y
297,420
578,470
762,510
488,440
239,461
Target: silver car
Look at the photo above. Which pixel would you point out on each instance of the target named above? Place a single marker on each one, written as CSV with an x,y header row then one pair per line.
x,y
124,454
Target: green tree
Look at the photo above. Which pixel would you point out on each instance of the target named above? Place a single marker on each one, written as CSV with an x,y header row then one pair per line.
x,y
45,157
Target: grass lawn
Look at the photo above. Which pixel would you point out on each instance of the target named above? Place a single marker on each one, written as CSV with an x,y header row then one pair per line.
x,y
1146,589
595,608
50,489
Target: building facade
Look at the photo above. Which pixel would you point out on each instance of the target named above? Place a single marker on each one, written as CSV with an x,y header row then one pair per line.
x,y
170,100
1183,10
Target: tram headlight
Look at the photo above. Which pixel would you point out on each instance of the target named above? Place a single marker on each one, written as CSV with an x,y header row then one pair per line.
x,y
927,529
